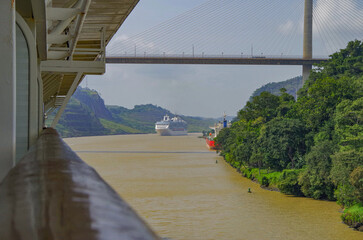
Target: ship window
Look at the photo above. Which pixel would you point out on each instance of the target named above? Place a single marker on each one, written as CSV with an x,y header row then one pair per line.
x,y
22,94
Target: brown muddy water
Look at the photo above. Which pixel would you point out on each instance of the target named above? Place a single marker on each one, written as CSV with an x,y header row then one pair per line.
x,y
175,184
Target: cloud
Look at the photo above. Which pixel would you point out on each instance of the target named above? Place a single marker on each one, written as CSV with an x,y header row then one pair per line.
x,y
123,44
287,27
119,38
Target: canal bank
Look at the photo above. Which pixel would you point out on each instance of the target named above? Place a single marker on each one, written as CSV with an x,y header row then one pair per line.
x,y
287,183
175,184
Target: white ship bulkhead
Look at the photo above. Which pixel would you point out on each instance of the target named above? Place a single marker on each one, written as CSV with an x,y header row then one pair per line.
x,y
163,129
171,127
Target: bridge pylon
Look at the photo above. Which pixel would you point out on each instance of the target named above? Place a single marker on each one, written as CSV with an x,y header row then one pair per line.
x,y
308,38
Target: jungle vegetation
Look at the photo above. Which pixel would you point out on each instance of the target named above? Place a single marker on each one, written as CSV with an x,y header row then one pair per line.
x,y
311,146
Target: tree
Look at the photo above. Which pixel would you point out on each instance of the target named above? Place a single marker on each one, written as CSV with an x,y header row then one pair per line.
x,y
343,163
245,148
315,180
356,179
346,163
323,97
281,141
225,139
289,183
349,124
348,61
264,106
332,82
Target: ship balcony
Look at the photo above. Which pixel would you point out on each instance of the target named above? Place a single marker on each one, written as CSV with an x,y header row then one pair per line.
x,y
161,127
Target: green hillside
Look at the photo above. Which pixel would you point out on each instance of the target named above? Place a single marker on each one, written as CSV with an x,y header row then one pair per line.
x,y
87,115
291,85
79,120
141,117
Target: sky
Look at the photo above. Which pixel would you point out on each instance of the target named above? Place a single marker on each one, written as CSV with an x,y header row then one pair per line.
x,y
193,90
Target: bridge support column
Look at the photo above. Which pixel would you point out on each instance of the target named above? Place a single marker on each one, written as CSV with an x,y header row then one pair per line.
x,y
306,72
308,37
7,87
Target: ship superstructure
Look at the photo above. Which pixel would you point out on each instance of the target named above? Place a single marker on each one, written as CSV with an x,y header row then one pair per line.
x,y
171,126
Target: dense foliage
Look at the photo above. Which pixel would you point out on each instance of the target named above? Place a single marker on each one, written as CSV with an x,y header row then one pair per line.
x,y
319,137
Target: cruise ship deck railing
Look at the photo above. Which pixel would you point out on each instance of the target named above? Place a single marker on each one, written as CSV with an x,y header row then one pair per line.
x,y
53,194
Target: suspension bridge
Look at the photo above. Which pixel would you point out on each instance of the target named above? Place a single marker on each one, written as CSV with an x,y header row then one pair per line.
x,y
282,33
49,46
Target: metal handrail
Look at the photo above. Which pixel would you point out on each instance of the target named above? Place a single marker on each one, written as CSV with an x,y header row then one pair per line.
x,y
53,194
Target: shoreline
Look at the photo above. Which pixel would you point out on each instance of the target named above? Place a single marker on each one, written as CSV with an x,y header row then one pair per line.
x,y
125,134
345,217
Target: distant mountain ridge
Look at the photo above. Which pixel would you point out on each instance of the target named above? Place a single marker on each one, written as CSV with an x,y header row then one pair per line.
x,y
87,115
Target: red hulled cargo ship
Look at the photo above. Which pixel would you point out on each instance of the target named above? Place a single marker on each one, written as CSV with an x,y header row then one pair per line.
x,y
211,144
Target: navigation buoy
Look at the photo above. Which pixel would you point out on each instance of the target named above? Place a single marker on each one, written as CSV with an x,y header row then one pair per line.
x,y
249,190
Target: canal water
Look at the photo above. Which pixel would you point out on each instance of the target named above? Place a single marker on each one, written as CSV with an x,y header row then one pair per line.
x,y
185,191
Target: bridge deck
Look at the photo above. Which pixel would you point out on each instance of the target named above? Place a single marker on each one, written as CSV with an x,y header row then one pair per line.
x,y
213,60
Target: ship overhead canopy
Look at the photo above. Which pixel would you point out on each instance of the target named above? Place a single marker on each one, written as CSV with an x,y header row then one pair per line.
x,y
71,36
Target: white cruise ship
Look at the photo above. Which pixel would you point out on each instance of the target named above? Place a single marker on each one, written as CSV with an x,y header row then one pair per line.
x,y
171,126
